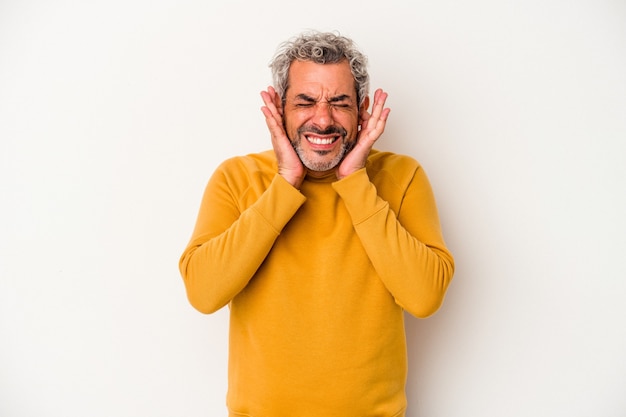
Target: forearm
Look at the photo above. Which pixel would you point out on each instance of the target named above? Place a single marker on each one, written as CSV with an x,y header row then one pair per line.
x,y
408,254
218,264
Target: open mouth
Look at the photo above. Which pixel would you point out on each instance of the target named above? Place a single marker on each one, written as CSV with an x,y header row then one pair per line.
x,y
319,140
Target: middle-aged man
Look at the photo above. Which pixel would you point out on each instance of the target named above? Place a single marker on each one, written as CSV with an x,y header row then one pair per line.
x,y
318,246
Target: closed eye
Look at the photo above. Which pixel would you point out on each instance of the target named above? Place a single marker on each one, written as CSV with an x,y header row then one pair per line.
x,y
342,102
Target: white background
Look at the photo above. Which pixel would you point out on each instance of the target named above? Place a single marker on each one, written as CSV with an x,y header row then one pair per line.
x,y
113,115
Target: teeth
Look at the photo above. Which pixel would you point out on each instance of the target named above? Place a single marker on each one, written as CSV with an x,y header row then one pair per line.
x,y
320,141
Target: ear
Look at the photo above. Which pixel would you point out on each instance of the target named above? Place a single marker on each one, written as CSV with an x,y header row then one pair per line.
x,y
278,102
363,109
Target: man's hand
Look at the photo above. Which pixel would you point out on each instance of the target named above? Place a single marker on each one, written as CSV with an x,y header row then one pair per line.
x,y
372,126
289,165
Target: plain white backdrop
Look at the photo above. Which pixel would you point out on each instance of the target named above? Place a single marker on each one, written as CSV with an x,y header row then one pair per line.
x,y
113,115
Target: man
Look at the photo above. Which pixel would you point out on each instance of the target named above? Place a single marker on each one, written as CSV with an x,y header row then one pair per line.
x,y
318,246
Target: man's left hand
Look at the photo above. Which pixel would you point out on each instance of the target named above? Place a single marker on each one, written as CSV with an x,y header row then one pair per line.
x,y
372,126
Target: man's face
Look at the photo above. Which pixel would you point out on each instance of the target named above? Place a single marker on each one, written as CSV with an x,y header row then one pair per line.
x,y
321,113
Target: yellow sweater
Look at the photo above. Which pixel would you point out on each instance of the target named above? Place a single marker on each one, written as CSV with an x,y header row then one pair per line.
x,y
317,280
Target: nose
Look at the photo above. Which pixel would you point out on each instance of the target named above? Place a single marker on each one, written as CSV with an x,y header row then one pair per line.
x,y
323,116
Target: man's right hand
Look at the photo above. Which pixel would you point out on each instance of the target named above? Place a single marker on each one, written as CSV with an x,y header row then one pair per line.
x,y
289,165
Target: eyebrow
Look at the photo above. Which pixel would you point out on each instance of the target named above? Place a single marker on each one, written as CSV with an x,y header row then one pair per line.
x,y
336,99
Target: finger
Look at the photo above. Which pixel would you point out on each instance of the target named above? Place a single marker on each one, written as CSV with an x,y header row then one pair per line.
x,y
269,109
375,123
268,101
380,97
273,96
379,112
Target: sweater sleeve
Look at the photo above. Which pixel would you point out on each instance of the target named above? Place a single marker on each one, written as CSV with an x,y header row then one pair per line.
x,y
228,245
406,248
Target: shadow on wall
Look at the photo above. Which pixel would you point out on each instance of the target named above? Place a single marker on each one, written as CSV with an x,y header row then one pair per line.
x,y
432,343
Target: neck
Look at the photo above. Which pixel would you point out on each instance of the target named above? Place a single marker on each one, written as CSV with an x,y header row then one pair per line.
x,y
319,175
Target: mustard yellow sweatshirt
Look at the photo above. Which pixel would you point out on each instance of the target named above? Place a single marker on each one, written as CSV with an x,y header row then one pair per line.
x,y
317,280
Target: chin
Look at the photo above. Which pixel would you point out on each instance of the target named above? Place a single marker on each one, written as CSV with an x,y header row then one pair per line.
x,y
318,165
321,161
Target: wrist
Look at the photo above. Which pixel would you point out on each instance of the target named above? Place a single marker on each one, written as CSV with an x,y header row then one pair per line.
x,y
294,180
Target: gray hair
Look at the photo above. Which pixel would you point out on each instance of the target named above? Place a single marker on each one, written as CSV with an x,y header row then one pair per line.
x,y
320,48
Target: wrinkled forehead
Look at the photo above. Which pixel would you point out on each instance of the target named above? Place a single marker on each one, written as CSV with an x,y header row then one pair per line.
x,y
322,82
